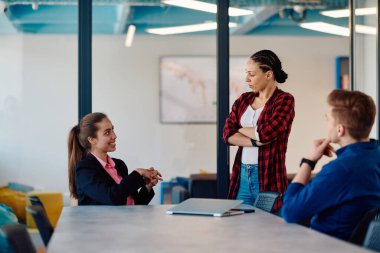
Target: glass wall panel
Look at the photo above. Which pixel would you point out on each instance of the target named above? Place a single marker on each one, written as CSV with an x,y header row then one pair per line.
x,y
297,33
365,63
38,92
160,92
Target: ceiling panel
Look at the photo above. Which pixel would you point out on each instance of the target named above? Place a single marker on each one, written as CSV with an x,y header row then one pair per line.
x,y
113,16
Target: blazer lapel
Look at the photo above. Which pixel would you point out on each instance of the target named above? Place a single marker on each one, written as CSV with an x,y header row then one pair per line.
x,y
100,168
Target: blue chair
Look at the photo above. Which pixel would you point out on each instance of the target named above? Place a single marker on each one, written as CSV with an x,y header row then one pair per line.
x,y
201,185
372,238
265,201
18,238
43,224
360,230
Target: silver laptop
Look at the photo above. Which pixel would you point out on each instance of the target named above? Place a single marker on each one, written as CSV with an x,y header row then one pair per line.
x,y
211,207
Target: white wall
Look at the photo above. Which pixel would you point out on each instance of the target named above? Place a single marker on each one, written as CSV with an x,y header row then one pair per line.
x,y
126,87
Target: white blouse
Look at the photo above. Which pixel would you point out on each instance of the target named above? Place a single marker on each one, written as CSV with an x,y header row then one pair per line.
x,y
249,119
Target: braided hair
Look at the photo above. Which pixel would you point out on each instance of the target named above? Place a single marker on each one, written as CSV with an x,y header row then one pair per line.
x,y
268,60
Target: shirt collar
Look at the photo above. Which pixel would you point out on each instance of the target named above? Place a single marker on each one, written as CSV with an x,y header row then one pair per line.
x,y
371,144
103,163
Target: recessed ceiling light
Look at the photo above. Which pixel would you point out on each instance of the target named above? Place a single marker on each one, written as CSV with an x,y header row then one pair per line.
x,y
207,7
337,30
186,28
345,12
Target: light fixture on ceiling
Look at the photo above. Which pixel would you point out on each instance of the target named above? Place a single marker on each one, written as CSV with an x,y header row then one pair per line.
x,y
130,34
298,13
207,7
3,7
345,12
336,29
35,6
186,28
326,28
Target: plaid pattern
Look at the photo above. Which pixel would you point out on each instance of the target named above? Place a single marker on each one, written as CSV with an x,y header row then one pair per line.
x,y
273,125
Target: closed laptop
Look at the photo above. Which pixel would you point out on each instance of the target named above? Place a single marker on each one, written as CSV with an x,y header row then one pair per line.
x,y
211,207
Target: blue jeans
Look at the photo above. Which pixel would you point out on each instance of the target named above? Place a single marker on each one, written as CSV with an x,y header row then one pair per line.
x,y
249,183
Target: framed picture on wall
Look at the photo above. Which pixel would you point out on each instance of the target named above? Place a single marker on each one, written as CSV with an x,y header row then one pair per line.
x,y
342,73
188,89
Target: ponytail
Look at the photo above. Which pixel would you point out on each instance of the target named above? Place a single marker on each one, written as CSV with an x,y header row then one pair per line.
x,y
76,153
78,145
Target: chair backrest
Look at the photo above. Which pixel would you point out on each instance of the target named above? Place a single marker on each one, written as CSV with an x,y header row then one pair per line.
x,y
35,200
203,185
360,230
18,238
372,238
43,224
265,201
179,194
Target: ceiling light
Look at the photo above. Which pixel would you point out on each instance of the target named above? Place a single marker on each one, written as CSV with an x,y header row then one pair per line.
x,y
345,12
207,7
186,28
326,28
130,34
337,30
35,6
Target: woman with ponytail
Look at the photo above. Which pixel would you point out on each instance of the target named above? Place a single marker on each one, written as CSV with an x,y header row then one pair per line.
x,y
97,179
259,124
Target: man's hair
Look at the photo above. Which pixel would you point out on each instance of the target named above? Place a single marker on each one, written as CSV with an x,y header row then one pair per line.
x,y
353,109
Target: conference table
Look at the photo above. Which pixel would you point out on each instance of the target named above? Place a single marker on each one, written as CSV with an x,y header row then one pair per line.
x,y
149,229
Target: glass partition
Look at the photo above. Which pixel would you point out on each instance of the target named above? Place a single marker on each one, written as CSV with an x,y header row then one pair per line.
x,y
38,92
158,87
365,62
301,35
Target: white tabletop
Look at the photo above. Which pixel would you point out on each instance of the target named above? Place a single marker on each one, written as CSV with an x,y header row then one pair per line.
x,y
149,229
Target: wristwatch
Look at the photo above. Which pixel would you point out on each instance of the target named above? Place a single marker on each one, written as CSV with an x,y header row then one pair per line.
x,y
307,161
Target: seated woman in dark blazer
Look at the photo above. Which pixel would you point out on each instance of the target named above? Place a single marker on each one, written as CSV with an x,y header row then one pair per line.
x,y
97,179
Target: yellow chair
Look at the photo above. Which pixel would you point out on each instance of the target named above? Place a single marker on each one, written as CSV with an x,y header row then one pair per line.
x,y
16,200
53,204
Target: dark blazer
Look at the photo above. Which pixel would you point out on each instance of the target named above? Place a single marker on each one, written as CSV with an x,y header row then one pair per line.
x,y
96,187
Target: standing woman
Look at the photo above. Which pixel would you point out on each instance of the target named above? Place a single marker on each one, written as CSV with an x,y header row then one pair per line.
x,y
260,123
97,179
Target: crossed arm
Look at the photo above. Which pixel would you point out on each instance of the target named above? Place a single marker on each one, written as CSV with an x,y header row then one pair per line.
x,y
243,138
280,121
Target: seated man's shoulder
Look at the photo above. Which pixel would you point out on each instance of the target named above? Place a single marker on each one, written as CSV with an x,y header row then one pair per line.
x,y
333,169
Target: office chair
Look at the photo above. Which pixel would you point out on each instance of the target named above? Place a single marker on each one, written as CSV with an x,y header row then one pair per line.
x,y
43,224
179,194
360,230
35,200
199,186
372,238
265,201
18,238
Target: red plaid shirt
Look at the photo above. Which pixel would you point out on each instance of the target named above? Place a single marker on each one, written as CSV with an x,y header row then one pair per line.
x,y
273,125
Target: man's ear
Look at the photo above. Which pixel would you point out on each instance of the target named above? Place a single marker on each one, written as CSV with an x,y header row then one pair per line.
x,y
341,129
91,140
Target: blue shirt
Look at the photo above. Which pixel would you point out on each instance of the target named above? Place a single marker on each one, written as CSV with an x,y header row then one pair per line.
x,y
342,192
